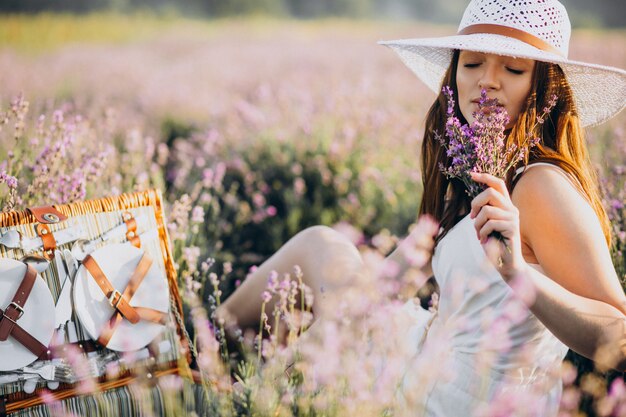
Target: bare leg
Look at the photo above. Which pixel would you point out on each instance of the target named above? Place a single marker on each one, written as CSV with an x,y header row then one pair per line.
x,y
328,261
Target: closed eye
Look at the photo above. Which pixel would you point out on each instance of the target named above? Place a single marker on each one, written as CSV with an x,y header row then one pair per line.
x,y
515,71
471,65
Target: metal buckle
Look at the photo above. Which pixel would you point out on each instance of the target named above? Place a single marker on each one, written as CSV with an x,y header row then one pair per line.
x,y
50,217
112,299
4,316
17,307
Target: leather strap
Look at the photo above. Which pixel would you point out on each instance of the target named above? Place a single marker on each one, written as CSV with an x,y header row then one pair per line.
x,y
15,309
28,341
514,33
117,301
12,313
131,229
47,237
121,302
147,314
144,313
47,214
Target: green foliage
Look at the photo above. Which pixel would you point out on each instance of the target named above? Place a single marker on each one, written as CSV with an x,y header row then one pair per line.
x,y
257,196
47,31
237,7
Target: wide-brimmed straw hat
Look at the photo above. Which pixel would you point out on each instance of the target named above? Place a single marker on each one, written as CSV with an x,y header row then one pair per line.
x,y
534,29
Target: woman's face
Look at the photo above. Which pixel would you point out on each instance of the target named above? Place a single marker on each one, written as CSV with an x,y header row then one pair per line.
x,y
505,78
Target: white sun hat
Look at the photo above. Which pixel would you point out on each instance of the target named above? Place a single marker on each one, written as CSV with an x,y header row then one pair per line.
x,y
534,29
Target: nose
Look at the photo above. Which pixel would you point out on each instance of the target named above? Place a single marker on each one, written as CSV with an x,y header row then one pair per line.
x,y
489,79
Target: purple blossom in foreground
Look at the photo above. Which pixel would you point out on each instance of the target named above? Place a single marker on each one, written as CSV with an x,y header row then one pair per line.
x,y
9,180
481,146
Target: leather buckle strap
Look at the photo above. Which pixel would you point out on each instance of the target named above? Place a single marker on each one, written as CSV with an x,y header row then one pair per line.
x,y
47,237
47,214
115,298
5,316
6,312
14,311
25,338
131,229
19,309
146,314
120,301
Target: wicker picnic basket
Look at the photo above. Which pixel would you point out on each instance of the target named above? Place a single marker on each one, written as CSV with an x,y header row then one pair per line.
x,y
167,354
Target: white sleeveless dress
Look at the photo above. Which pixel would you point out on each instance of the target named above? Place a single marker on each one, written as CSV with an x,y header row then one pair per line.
x,y
483,348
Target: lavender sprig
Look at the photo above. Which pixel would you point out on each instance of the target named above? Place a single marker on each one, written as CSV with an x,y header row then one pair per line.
x,y
481,146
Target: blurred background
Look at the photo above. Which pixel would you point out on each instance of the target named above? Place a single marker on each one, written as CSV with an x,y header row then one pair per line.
x,y
263,116
605,13
256,118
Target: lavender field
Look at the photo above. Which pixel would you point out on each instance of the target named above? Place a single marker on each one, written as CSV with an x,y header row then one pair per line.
x,y
255,129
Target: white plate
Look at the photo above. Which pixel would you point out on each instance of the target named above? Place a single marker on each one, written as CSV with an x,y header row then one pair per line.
x,y
38,318
118,261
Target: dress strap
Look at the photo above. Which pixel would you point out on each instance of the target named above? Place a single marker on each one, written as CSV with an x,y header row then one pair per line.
x,y
519,171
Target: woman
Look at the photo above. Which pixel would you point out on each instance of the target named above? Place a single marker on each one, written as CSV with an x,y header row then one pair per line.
x,y
548,211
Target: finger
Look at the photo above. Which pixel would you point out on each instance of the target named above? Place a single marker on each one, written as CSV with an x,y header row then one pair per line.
x,y
489,197
491,181
502,226
487,213
493,250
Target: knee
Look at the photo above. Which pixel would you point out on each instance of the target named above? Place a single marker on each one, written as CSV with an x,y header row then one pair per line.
x,y
317,233
323,238
326,249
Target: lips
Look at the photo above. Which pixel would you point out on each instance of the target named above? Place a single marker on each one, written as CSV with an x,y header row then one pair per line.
x,y
477,100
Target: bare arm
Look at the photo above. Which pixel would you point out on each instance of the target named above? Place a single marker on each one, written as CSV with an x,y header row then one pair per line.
x,y
578,296
590,327
582,302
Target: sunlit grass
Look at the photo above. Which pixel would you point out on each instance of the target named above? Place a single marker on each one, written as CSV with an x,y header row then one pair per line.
x,y
48,31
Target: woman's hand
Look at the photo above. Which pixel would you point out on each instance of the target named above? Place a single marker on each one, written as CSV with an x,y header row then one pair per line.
x,y
493,211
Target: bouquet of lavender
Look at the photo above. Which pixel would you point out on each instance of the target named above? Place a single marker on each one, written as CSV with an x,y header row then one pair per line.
x,y
480,147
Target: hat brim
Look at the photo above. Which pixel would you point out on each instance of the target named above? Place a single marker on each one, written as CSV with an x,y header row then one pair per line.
x,y
599,91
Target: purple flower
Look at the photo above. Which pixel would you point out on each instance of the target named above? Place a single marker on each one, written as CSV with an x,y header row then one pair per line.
x,y
197,214
617,204
272,282
481,146
448,92
9,180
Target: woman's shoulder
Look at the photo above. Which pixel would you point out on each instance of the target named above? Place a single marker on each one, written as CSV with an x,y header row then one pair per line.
x,y
548,187
539,170
562,232
551,206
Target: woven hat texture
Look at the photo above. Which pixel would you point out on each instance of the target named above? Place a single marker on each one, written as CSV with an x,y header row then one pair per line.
x,y
599,91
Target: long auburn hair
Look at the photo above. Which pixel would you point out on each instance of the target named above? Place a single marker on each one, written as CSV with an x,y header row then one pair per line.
x,y
561,143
